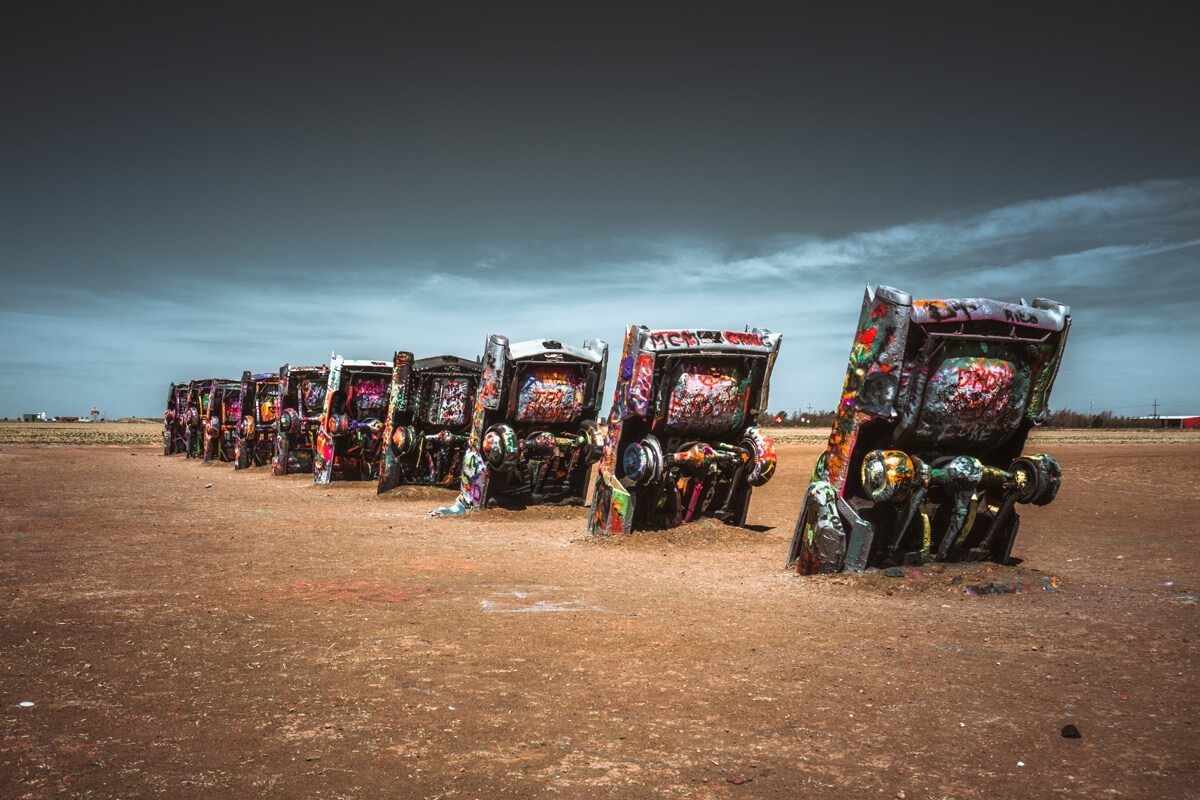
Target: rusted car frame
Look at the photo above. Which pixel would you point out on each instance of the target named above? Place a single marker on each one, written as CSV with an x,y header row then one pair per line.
x,y
301,403
350,434
428,424
221,422
195,414
174,426
926,458
682,440
534,436
254,438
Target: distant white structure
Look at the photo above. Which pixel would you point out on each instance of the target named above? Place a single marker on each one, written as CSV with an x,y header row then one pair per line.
x,y
38,417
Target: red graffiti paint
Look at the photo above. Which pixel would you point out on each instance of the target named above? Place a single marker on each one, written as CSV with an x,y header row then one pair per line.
x,y
744,338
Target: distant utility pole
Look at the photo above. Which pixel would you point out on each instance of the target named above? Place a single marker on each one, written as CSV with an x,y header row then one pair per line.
x,y
1156,408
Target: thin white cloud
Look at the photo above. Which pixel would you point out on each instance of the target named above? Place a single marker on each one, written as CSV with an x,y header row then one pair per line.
x,y
1119,256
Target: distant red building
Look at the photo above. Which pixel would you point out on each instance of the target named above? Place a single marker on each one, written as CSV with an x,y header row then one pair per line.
x,y
1177,421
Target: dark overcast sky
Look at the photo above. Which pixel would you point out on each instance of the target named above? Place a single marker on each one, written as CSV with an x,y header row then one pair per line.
x,y
206,190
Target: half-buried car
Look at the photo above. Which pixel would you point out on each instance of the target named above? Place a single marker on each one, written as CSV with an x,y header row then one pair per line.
x,y
254,439
174,428
926,460
682,440
301,403
221,423
534,436
429,420
350,434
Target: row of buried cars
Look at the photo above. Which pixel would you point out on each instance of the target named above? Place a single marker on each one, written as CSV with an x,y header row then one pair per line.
x,y
925,461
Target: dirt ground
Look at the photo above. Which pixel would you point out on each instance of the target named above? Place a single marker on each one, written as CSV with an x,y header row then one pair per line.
x,y
269,638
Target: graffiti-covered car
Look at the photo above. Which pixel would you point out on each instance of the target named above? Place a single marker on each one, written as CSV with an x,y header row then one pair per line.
x,y
195,412
428,422
926,459
254,438
221,422
682,440
350,434
534,436
301,403
174,428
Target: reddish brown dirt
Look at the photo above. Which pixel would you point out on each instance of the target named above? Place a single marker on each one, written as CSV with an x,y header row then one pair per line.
x,y
267,637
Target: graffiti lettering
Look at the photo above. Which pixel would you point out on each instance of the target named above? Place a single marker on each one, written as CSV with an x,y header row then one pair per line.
x,y
1020,316
670,339
942,310
983,378
749,339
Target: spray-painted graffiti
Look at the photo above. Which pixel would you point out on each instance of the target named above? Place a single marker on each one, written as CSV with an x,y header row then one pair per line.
x,y
1042,315
693,451
224,414
708,396
350,431
953,388
301,402
450,401
711,340
641,383
533,432
258,403
550,394
175,420
428,420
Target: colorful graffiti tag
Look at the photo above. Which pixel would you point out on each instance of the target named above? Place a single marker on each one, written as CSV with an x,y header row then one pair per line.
x,y
938,399
681,443
533,433
301,402
350,432
427,429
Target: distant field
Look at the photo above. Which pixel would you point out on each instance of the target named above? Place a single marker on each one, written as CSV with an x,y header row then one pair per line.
x,y
93,433
150,433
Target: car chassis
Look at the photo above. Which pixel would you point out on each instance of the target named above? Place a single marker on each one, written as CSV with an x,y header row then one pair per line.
x,y
533,434
350,434
174,424
221,423
301,403
681,441
254,443
925,460
429,420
